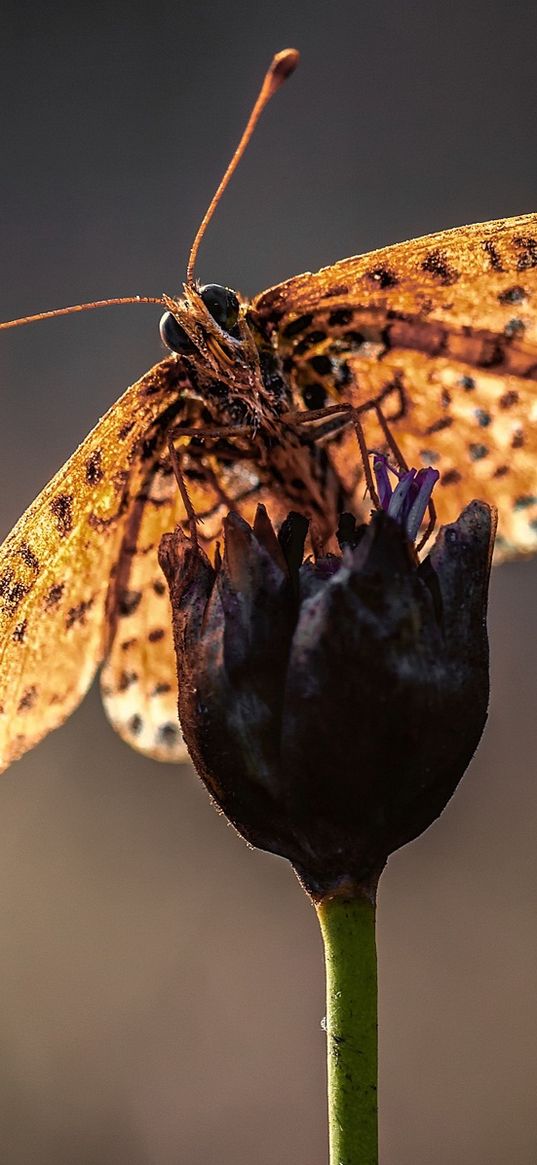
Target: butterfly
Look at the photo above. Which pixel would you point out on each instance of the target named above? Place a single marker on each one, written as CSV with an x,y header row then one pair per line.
x,y
426,351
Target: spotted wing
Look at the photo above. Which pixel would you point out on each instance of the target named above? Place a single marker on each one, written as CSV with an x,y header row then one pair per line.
x,y
56,565
442,333
138,680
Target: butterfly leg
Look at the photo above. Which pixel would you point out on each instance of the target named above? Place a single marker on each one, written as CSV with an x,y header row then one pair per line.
x,y
352,416
305,418
349,416
364,453
401,462
176,457
390,439
192,518
228,502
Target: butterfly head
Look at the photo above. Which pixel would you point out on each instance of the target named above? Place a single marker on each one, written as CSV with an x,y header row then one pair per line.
x,y
208,327
206,320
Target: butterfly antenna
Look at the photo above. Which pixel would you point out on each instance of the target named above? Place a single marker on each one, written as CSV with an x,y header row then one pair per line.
x,y
283,64
67,311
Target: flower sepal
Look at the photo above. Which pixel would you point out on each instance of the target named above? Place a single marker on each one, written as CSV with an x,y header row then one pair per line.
x,y
332,706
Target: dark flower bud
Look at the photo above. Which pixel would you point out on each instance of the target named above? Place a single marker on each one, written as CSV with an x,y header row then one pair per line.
x,y
332,706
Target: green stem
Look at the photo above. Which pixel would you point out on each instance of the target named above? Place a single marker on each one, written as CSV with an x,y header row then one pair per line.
x,y
348,930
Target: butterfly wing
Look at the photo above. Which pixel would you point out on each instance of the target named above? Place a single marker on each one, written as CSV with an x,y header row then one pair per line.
x,y
57,563
442,332
138,680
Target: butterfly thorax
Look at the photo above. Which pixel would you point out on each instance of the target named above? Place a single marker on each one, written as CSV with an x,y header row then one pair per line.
x,y
241,396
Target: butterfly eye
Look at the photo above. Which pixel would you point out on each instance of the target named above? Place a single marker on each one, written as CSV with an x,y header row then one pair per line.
x,y
222,304
173,335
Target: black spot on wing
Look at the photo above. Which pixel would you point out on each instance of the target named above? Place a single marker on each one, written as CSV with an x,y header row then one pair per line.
x,y
450,477
436,264
508,399
77,614
337,289
314,396
341,317
514,327
441,423
296,327
494,258
62,509
512,294
94,468
28,699
309,341
28,556
12,592
19,633
524,501
53,596
383,277
168,734
321,364
156,634
527,248
128,601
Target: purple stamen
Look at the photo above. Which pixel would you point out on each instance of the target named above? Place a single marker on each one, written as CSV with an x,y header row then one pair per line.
x,y
384,488
408,502
423,486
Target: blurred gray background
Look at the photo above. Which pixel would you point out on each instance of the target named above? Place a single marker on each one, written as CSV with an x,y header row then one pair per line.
x,y
162,985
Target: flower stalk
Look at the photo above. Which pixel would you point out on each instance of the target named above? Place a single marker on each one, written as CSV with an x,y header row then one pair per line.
x,y
348,930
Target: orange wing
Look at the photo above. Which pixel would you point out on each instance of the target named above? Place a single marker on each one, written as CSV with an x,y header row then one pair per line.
x,y
138,680
56,565
442,332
